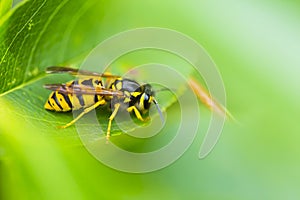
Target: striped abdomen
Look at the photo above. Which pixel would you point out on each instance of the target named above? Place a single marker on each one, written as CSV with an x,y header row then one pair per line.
x,y
61,102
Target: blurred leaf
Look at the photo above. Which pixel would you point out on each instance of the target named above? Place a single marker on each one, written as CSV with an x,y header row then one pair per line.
x,y
250,42
5,5
29,167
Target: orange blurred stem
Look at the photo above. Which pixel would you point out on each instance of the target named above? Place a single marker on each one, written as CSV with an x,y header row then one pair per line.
x,y
206,98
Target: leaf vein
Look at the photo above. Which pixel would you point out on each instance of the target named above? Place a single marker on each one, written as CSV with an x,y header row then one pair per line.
x,y
17,34
41,33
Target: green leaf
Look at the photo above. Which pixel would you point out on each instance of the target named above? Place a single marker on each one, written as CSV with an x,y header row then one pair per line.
x,y
38,34
34,37
250,41
38,159
5,5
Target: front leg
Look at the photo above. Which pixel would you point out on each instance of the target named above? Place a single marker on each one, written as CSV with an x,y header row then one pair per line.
x,y
136,112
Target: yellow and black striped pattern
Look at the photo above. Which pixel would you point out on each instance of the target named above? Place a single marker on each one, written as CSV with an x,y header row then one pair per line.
x,y
61,102
89,92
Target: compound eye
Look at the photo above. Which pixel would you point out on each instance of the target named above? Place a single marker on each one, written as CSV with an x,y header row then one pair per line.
x,y
146,101
146,97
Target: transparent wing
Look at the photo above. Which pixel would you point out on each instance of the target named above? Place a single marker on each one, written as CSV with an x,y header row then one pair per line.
x,y
77,72
82,89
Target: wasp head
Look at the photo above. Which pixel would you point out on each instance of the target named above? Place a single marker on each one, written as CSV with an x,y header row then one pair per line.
x,y
147,98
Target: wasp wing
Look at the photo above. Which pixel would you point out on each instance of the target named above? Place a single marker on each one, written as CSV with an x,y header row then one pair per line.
x,y
82,89
77,72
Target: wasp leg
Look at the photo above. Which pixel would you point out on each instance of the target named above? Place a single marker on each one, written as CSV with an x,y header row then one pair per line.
x,y
86,110
112,116
136,112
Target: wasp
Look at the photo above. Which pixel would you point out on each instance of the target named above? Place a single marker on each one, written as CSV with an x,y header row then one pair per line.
x,y
93,89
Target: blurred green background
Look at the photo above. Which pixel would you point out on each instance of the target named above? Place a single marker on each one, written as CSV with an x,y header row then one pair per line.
x,y
255,45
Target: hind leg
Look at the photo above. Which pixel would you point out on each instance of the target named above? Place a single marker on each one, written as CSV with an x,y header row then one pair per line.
x,y
85,111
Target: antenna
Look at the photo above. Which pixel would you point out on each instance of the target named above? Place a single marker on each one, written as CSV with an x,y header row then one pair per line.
x,y
159,111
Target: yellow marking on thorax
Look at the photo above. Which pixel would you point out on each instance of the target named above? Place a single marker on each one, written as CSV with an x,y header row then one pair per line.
x,y
127,93
113,87
127,100
119,85
135,94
